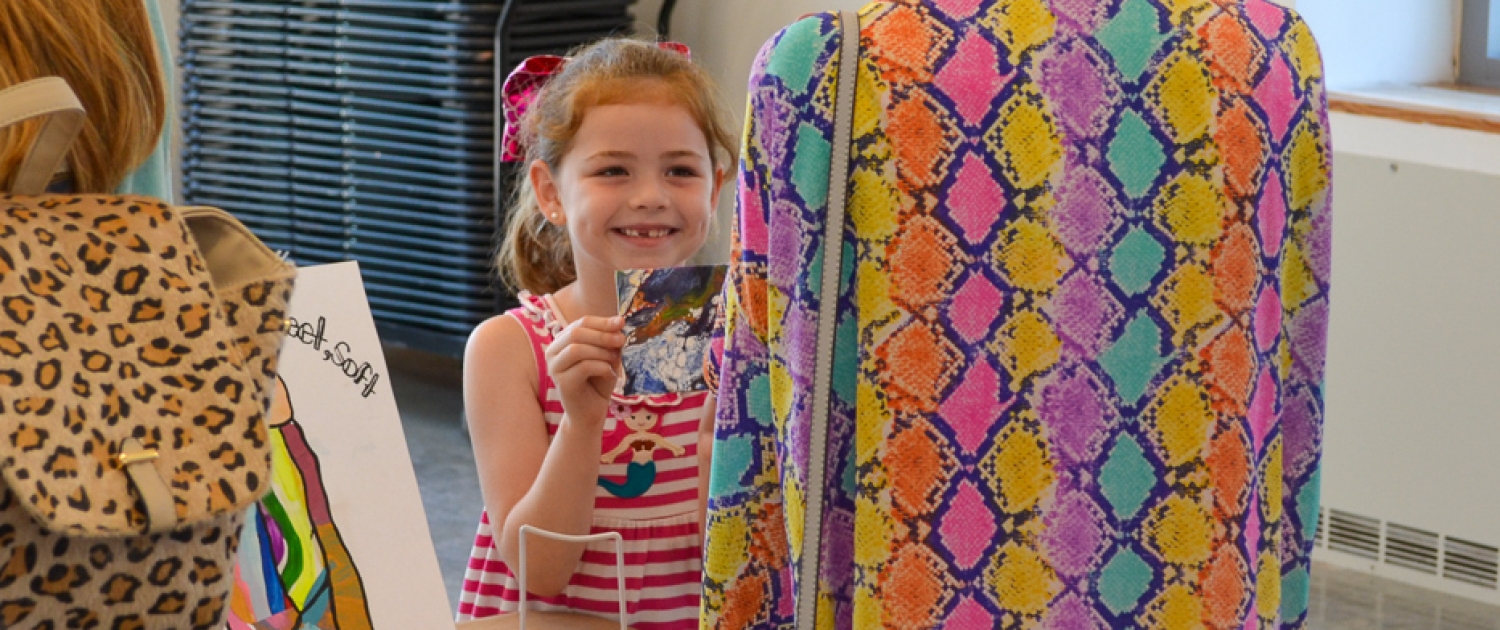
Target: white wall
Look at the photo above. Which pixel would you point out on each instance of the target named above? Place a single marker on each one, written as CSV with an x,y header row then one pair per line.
x,y
1413,412
1369,42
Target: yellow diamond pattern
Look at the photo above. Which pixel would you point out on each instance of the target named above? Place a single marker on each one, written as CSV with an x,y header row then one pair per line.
x,y
783,391
1019,467
871,523
1284,356
1191,208
727,548
1024,140
1182,420
873,205
1026,346
1030,257
1176,608
1186,300
1305,167
868,111
1021,25
1271,483
872,423
1177,9
872,288
796,506
1268,586
1181,531
866,607
1297,282
1302,50
1185,95
1020,581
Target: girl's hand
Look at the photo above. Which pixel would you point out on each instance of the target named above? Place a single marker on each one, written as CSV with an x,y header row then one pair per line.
x,y
584,360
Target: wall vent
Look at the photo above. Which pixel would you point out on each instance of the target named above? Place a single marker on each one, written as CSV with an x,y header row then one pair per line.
x,y
1354,534
1411,548
1473,563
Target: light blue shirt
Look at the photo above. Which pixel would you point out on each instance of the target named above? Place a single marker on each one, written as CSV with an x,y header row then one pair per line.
x,y
154,176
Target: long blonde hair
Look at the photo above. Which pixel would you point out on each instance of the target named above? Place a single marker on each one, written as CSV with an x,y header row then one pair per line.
x,y
536,255
106,52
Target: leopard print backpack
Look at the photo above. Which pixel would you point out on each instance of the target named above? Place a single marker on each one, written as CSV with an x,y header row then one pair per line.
x,y
137,343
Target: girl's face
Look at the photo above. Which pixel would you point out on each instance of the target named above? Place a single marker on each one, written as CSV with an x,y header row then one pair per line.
x,y
636,190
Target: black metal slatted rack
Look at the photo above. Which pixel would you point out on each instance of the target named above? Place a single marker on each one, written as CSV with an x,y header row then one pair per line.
x,y
365,130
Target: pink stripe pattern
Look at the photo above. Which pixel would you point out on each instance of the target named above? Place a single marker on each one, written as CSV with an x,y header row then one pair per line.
x,y
662,543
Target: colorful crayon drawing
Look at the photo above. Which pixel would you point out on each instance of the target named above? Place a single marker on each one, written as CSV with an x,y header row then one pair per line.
x,y
669,323
294,571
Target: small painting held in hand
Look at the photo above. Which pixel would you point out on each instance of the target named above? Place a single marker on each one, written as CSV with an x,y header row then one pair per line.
x,y
669,322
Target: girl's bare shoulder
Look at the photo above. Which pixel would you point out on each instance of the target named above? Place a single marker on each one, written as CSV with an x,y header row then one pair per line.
x,y
499,347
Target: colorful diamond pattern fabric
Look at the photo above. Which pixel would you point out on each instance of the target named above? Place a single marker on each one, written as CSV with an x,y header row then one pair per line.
x,y
1081,327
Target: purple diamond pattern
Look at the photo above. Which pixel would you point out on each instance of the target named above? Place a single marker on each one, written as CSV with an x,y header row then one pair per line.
x,y
1076,413
1087,312
1073,536
1085,210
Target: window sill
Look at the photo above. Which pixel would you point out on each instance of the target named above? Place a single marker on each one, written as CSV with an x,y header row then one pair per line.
x,y
1456,106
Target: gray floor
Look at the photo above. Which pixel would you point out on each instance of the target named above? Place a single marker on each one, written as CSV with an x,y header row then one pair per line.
x,y
429,395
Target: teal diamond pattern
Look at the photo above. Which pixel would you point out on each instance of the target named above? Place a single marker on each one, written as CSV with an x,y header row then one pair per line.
x,y
1124,580
810,167
1126,479
1294,592
732,459
1135,156
1307,504
812,281
796,55
758,398
1133,37
1133,361
845,383
1137,259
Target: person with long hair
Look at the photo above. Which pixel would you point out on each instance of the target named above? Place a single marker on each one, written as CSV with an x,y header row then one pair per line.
x,y
111,54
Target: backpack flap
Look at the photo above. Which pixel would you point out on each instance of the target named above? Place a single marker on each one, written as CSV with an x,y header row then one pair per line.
x,y
131,377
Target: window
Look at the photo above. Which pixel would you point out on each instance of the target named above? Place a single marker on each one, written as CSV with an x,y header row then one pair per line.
x,y
1479,44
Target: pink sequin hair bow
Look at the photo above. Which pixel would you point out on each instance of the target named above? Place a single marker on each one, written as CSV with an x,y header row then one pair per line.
x,y
522,86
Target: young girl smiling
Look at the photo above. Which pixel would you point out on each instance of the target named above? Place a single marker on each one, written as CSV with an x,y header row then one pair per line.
x,y
625,149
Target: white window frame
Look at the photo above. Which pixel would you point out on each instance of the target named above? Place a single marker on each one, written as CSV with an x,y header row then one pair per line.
x,y
1476,65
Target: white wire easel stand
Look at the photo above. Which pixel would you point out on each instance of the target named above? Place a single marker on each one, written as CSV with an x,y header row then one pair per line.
x,y
619,563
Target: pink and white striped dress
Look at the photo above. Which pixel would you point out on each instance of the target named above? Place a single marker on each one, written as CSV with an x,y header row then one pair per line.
x,y
662,543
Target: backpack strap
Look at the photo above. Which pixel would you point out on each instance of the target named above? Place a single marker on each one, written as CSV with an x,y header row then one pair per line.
x,y
51,97
833,248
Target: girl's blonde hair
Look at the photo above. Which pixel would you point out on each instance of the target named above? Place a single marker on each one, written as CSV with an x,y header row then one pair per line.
x,y
536,255
106,52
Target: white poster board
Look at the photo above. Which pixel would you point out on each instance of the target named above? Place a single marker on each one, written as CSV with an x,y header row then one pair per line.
x,y
341,541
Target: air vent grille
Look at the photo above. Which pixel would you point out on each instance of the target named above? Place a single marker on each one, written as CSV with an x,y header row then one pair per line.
x,y
1354,534
1411,548
1471,562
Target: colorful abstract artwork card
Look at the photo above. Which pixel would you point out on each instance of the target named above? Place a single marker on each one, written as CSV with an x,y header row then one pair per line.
x,y
341,541
669,316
